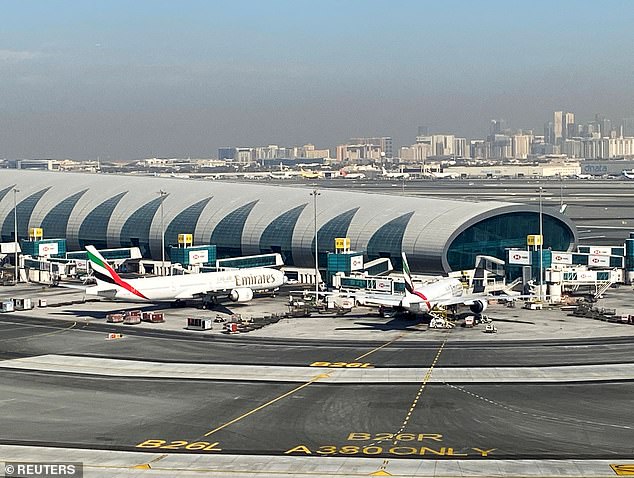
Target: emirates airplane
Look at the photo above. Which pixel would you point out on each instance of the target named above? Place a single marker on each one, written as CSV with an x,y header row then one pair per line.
x,y
422,300
238,285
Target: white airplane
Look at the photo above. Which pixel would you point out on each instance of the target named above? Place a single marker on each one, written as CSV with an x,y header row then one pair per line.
x,y
628,174
387,175
422,300
438,175
238,285
346,175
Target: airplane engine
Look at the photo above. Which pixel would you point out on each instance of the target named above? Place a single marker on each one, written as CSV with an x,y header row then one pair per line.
x,y
479,306
241,295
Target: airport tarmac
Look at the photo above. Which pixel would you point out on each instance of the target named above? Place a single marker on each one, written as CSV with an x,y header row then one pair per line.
x,y
548,395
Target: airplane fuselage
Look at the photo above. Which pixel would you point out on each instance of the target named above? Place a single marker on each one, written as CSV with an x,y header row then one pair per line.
x,y
425,298
189,286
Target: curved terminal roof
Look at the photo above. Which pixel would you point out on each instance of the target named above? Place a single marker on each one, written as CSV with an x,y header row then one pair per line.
x,y
437,235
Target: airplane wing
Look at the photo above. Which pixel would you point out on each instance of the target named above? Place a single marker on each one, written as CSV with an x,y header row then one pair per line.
x,y
469,299
386,300
73,286
466,299
197,293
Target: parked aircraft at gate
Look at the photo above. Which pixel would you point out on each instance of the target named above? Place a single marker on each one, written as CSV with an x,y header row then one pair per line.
x,y
237,285
421,300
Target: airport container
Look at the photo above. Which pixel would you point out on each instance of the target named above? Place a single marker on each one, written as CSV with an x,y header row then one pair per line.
x,y
7,306
42,303
114,318
20,303
153,317
199,323
132,319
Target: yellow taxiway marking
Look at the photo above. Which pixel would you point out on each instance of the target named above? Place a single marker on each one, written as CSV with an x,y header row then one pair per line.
x,y
623,470
426,379
270,402
381,471
378,348
421,389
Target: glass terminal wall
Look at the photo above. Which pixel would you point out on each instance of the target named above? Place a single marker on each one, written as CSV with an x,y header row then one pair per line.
x,y
492,236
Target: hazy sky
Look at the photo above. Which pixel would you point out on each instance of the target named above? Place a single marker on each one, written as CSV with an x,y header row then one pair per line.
x,y
132,79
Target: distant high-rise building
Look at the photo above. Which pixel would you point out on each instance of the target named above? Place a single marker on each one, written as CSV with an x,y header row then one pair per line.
x,y
568,127
549,132
383,142
521,145
440,144
415,153
563,127
500,146
628,127
558,126
604,124
460,149
359,153
226,154
498,126
244,155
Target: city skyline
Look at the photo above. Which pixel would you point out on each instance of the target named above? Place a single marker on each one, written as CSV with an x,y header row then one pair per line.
x,y
127,81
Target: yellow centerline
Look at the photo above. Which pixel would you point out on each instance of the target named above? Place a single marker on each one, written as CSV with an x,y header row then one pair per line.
x,y
421,389
251,412
378,348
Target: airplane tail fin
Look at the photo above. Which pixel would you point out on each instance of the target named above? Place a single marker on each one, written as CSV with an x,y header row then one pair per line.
x,y
409,283
104,274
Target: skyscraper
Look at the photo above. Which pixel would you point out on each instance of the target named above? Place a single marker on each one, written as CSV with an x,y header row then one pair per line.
x,y
558,123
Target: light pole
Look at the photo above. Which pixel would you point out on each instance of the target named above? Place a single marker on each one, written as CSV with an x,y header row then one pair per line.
x,y
315,193
15,233
162,194
541,247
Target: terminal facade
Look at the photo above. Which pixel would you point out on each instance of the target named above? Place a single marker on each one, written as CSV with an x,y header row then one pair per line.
x,y
110,211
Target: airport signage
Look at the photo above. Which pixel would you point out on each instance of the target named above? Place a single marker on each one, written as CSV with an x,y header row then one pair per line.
x,y
601,251
356,263
562,258
384,285
199,257
520,257
48,249
598,261
534,240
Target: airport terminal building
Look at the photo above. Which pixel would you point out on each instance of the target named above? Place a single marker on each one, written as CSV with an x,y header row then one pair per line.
x,y
111,211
